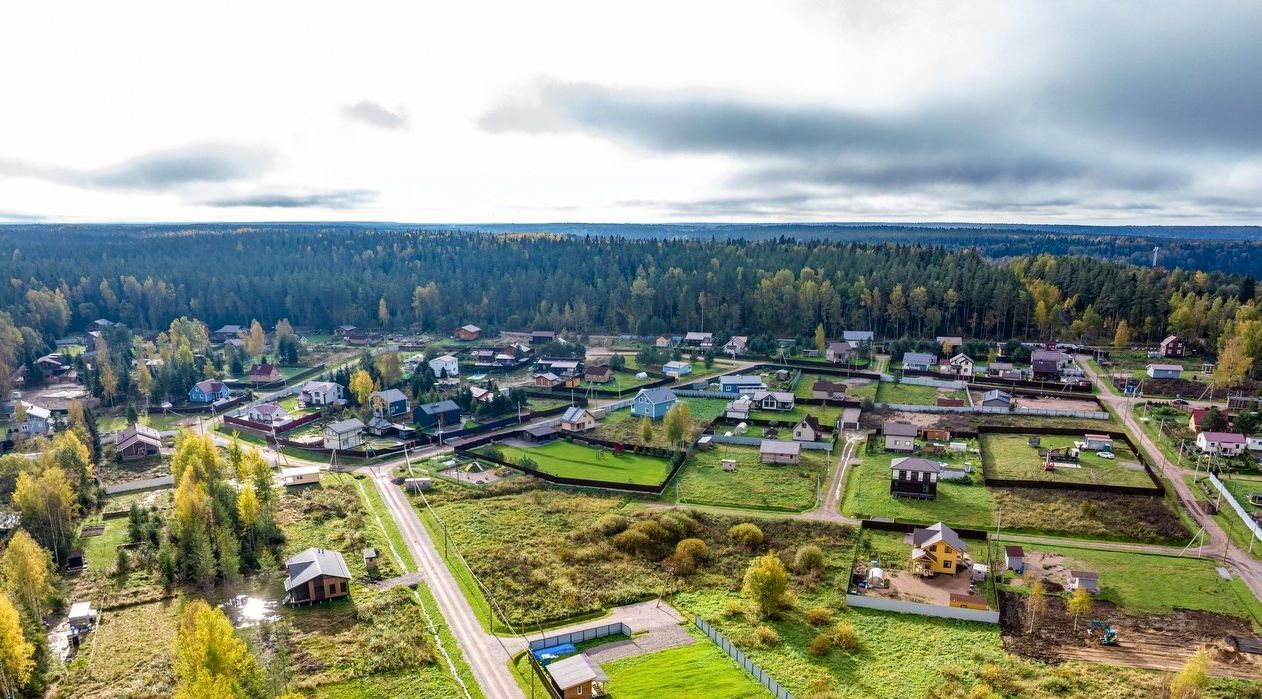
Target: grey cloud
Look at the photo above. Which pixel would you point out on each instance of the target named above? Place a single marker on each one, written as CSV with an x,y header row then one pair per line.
x,y
20,216
338,199
374,114
155,171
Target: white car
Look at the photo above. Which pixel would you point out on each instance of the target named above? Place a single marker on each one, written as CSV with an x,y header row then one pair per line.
x,y
1106,454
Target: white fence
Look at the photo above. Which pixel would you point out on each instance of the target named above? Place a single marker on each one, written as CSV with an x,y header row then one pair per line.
x,y
748,665
757,441
981,409
619,405
1240,511
905,607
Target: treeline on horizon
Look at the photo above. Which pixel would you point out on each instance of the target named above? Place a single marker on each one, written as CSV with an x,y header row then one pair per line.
x,y
318,277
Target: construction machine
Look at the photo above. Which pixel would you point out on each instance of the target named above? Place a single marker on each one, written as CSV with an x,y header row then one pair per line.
x,y
1108,637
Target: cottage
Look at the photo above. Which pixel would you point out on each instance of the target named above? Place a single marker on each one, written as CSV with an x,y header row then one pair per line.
x,y
482,395
380,427
448,366
137,441
316,575
850,418
270,414
1253,442
775,451
561,366
663,342
808,429
225,333
1221,443
1164,371
572,677
468,333
1196,417
344,434
208,391
1045,370
577,419
322,393
542,337
364,337
740,383
1172,346
736,345
343,330
828,390
1061,358
676,368
38,421
912,477
857,337
388,403
838,352
264,373
1014,559
959,365
996,398
918,361
739,408
1086,579
299,475
936,549
780,401
598,374
56,368
444,414
1098,442
948,343
900,436
699,340
653,403
540,433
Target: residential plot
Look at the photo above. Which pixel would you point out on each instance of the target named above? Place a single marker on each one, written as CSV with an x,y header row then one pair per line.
x,y
782,487
911,394
1008,456
963,503
572,460
700,669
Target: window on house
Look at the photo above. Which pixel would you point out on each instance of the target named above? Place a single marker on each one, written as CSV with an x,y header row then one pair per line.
x,y
946,563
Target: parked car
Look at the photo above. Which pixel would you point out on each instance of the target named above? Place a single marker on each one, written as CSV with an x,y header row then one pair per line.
x,y
1105,454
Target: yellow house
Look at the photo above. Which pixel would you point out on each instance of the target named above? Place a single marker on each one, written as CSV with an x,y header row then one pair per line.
x,y
936,549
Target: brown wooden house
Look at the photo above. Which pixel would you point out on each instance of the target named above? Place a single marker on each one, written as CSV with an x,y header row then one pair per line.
x,y
316,575
137,441
468,333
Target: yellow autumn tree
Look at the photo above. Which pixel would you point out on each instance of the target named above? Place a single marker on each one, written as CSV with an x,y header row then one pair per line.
x,y
361,386
209,660
17,655
24,571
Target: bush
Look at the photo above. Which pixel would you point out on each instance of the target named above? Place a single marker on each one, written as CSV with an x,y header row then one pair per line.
x,y
653,530
680,565
846,637
821,645
819,616
612,524
695,549
809,558
679,523
632,541
746,534
767,636
733,608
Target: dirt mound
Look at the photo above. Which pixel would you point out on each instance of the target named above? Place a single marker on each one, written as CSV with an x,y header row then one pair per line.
x,y
1152,641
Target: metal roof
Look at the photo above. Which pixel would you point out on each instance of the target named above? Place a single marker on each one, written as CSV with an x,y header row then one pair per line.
x,y
312,563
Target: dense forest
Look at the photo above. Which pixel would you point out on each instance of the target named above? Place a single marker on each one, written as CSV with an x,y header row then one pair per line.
x,y
318,276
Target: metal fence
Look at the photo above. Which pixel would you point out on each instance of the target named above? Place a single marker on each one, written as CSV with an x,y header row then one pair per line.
x,y
581,635
620,405
749,666
936,383
691,393
985,410
1240,511
757,441
905,607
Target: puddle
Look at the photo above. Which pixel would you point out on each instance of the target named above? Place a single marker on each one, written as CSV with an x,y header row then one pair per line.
x,y
245,611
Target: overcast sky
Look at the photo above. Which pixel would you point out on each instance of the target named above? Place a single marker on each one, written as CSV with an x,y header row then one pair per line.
x,y
592,111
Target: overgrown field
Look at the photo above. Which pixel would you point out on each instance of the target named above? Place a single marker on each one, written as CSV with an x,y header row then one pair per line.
x,y
1009,456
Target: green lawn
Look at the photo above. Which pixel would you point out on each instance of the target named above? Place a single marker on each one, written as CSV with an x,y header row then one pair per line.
x,y
910,394
1226,517
959,504
827,414
1010,456
781,487
570,460
100,551
1158,583
162,422
698,670
623,380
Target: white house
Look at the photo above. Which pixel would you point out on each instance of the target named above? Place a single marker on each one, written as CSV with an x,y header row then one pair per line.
x,y
1221,443
344,434
1253,443
808,429
322,393
445,366
1164,371
1086,579
959,365
676,368
918,361
267,413
38,422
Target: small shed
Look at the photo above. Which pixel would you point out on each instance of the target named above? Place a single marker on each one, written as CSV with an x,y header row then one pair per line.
x,y
573,676
979,572
728,465
370,559
418,485
1014,559
82,617
540,433
1086,579
1098,442
300,475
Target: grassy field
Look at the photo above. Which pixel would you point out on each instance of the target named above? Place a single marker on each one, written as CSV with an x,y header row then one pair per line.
x,y
1226,517
100,551
1158,583
162,422
622,426
911,394
753,485
1009,456
959,503
698,670
1085,515
335,515
561,458
128,656
827,414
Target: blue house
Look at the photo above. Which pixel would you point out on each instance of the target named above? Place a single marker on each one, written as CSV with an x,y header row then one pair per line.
x,y
445,413
740,383
1165,371
388,403
653,403
208,391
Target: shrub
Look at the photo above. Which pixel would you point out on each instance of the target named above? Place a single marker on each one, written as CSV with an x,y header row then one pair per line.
x,y
746,534
653,530
612,524
632,541
819,616
846,637
695,549
733,607
678,523
767,584
821,645
809,558
767,636
680,565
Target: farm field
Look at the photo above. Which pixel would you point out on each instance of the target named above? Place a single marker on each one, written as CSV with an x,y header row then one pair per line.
x,y
959,503
128,655
911,394
1011,457
570,460
700,669
777,487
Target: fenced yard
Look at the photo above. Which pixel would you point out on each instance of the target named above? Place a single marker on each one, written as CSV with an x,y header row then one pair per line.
x,y
1010,457
777,487
962,503
570,460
